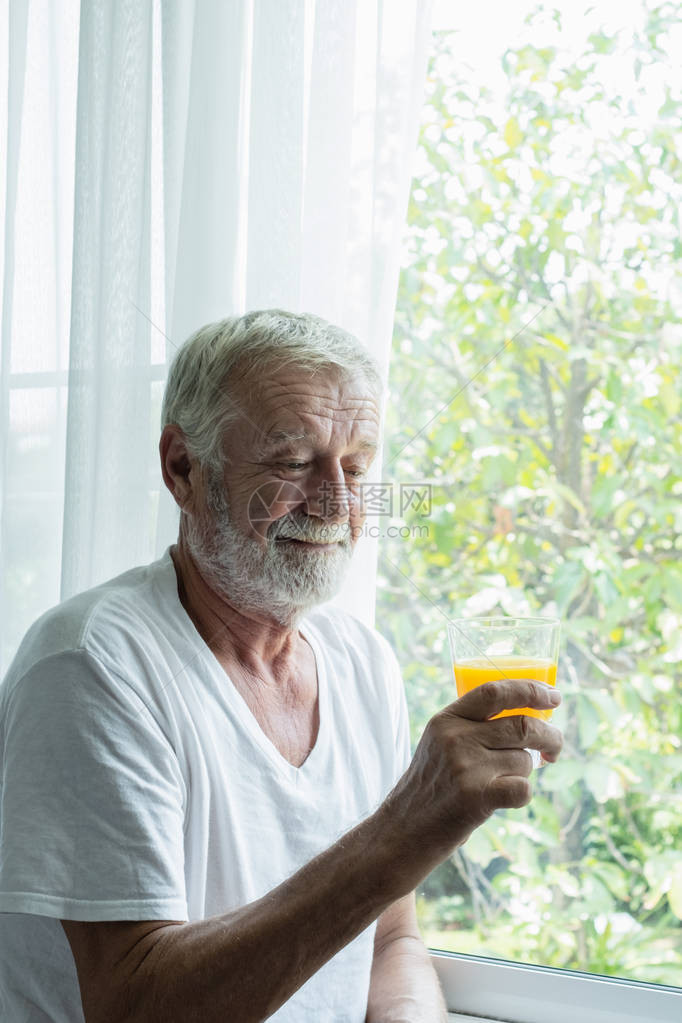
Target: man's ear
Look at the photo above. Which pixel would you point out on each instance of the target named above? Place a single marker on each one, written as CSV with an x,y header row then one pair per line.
x,y
178,468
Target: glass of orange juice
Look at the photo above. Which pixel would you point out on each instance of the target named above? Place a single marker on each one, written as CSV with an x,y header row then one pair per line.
x,y
487,649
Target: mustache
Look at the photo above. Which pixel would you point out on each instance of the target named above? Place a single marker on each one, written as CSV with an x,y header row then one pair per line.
x,y
299,526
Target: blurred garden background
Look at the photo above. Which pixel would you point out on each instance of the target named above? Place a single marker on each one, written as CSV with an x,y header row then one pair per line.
x,y
535,385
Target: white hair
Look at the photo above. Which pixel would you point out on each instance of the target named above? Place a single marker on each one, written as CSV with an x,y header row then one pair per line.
x,y
201,391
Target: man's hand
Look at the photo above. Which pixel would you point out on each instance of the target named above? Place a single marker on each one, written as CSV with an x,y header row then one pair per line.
x,y
466,766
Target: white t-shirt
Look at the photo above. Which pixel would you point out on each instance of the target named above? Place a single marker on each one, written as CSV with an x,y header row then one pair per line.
x,y
137,785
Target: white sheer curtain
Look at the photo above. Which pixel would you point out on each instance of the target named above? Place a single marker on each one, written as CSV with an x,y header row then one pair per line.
x,y
168,163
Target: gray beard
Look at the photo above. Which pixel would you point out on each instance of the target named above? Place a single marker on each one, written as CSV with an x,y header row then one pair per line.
x,y
281,581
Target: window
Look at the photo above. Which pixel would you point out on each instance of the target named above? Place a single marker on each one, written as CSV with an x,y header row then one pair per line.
x,y
536,402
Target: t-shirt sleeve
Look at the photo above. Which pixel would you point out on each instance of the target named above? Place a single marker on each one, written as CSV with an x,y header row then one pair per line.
x,y
92,799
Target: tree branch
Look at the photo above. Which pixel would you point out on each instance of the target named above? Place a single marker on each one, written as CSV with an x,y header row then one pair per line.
x,y
549,403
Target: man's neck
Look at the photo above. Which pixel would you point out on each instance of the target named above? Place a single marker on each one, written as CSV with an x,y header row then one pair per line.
x,y
232,633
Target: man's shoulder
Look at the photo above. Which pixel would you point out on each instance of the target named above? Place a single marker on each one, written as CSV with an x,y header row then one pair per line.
x,y
92,619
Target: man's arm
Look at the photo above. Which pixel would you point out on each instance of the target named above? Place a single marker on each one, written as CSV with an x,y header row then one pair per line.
x,y
404,987
245,964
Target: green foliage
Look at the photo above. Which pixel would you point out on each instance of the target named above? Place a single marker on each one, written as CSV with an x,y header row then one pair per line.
x,y
537,335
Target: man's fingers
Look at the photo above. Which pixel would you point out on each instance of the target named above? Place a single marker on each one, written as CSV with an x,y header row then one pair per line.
x,y
514,762
517,730
486,701
525,732
510,792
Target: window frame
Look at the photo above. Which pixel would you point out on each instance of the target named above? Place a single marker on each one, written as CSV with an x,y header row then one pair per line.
x,y
495,989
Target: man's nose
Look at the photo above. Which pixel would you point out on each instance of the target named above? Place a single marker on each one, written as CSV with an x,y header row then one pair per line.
x,y
328,496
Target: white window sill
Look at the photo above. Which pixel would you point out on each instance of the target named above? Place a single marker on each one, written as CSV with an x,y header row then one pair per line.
x,y
492,990
456,1018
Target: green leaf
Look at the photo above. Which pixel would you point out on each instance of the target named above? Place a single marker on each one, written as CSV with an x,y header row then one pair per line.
x,y
614,387
605,587
513,135
670,397
561,776
557,341
479,848
568,579
588,721
602,495
675,892
615,879
602,781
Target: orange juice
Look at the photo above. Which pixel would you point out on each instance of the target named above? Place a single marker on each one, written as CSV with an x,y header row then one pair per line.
x,y
479,670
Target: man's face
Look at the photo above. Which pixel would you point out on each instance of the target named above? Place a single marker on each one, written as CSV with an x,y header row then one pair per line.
x,y
283,518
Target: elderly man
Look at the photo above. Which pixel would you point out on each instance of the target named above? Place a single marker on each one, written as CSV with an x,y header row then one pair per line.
x,y
209,811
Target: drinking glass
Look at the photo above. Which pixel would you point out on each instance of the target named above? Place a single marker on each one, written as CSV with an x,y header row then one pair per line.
x,y
487,649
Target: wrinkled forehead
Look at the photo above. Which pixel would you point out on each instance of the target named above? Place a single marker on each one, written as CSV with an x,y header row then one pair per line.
x,y
291,406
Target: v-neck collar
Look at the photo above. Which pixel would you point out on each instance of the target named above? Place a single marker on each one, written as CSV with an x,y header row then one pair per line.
x,y
238,703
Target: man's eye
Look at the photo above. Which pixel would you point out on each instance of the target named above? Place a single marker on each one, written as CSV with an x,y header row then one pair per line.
x,y
357,474
295,465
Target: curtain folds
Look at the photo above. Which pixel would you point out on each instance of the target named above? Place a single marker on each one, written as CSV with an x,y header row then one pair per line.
x,y
168,163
